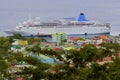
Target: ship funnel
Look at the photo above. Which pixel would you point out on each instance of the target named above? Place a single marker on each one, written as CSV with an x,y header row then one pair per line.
x,y
82,18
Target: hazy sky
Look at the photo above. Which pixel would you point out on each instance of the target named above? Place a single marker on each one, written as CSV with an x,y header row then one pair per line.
x,y
14,11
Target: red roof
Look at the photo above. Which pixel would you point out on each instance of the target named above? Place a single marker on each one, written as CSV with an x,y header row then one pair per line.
x,y
95,45
57,49
119,54
83,44
74,38
107,59
19,78
103,37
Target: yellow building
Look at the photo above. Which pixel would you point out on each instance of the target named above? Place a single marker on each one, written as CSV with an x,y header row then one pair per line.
x,y
22,42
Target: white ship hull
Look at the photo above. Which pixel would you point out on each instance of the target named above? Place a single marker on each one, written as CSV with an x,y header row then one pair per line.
x,y
70,31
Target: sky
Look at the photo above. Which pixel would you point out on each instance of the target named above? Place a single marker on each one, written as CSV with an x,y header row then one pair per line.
x,y
13,12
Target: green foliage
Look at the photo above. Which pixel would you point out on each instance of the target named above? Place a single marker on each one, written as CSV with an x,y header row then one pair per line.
x,y
85,55
89,52
15,36
99,72
35,40
3,66
32,61
108,49
114,70
81,39
83,73
4,43
74,68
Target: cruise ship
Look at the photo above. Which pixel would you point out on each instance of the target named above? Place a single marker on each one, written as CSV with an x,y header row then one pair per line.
x,y
78,27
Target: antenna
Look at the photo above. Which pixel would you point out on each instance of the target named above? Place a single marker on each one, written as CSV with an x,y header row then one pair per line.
x,y
30,18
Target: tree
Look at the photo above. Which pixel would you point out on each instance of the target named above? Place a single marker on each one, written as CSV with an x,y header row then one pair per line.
x,y
4,46
91,53
4,43
114,70
84,73
3,66
84,56
108,49
99,72
35,40
15,36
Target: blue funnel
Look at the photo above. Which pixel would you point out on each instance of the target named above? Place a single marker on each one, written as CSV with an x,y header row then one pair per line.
x,y
82,18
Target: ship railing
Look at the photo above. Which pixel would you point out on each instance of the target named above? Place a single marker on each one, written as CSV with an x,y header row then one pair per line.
x,y
102,24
